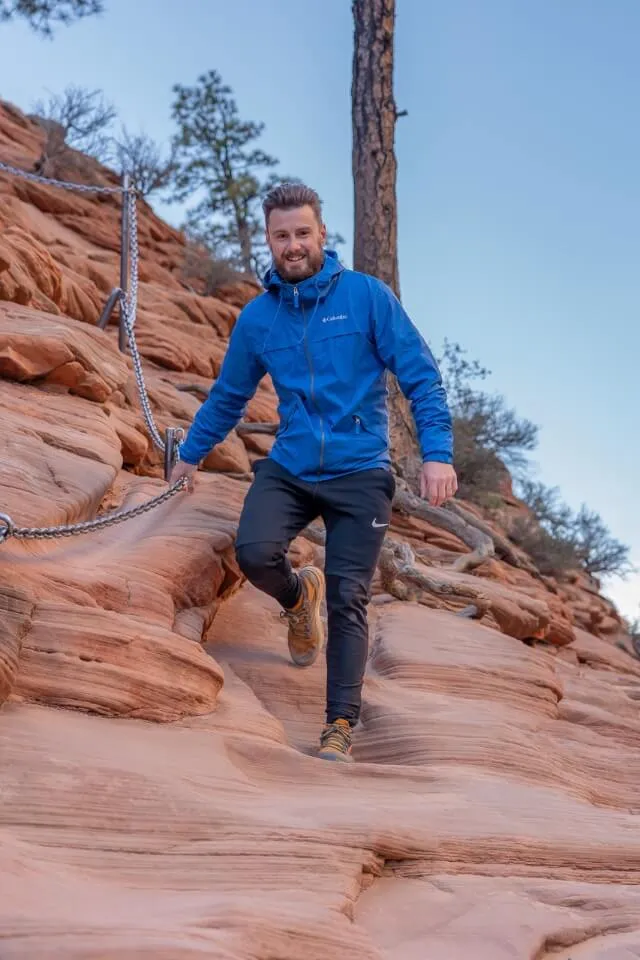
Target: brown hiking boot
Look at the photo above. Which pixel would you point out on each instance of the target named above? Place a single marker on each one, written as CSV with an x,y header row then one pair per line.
x,y
306,630
335,742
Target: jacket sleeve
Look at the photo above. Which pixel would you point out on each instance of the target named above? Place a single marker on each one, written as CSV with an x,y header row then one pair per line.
x,y
240,374
404,351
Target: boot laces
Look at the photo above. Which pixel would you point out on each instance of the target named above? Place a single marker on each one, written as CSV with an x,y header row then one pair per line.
x,y
298,618
336,737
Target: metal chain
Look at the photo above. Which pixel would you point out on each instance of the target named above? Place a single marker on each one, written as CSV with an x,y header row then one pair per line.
x,y
128,301
129,306
70,529
36,178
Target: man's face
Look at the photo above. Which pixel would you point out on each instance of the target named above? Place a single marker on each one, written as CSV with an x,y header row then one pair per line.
x,y
296,240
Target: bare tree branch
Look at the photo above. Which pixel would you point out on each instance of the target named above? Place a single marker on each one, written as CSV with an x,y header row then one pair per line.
x,y
141,157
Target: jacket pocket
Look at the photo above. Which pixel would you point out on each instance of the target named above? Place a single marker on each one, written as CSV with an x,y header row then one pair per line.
x,y
356,425
354,440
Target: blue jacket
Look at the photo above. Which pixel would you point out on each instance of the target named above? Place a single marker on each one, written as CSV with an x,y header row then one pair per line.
x,y
326,343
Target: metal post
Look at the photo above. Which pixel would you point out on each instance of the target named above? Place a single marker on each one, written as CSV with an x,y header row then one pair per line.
x,y
114,296
124,257
172,438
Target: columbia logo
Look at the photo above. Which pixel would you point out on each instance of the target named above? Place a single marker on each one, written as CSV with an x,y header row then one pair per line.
x,y
335,316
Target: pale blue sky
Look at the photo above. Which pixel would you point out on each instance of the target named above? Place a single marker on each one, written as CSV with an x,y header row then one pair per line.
x,y
519,195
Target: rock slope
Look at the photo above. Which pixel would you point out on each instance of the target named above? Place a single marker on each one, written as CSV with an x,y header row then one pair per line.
x,y
160,797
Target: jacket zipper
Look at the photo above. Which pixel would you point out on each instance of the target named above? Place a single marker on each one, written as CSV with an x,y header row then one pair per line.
x,y
312,379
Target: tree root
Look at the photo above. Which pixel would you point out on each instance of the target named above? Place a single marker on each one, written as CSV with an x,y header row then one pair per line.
x,y
474,532
480,541
501,545
402,579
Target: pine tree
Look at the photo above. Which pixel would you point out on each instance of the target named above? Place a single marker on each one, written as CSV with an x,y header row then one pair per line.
x,y
41,14
217,158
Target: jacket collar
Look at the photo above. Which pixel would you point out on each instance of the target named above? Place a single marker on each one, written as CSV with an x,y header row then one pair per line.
x,y
312,289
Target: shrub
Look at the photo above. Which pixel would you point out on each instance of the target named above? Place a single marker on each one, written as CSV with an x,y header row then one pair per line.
x,y
552,555
203,271
579,540
490,446
490,440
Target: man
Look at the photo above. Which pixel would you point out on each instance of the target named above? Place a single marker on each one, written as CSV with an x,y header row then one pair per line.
x,y
326,335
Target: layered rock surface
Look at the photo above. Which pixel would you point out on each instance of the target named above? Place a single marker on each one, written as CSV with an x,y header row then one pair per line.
x,y
160,796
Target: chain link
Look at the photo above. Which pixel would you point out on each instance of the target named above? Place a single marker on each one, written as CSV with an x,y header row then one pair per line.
x,y
128,306
129,300
84,526
36,178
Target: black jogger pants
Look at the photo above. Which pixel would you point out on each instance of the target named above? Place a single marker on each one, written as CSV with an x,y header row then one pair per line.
x,y
356,510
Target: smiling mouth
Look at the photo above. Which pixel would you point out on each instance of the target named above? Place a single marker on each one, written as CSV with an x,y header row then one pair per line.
x,y
296,259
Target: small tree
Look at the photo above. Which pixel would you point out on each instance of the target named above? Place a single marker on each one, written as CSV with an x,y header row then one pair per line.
x,y
599,552
552,555
77,119
568,540
216,156
41,14
489,438
546,506
143,159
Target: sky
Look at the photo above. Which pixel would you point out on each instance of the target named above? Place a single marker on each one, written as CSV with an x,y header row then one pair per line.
x,y
518,187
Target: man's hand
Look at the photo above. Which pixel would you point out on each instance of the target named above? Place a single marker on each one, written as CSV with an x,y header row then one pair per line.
x,y
438,482
182,469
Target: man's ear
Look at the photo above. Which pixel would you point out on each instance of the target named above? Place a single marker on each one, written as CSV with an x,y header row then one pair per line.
x,y
323,233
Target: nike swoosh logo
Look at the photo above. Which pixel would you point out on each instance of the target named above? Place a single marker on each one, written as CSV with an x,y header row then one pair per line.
x,y
374,523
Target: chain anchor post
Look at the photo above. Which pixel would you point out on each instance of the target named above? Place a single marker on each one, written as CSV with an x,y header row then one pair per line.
x,y
119,293
172,440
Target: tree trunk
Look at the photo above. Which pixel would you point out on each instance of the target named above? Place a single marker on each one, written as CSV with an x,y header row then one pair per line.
x,y
244,239
375,247
373,113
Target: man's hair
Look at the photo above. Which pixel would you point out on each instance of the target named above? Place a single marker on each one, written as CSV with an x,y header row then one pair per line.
x,y
290,196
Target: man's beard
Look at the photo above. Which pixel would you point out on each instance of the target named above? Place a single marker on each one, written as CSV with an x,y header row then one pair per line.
x,y
297,271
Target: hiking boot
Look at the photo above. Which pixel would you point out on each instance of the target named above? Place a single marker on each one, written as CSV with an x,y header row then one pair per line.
x,y
335,742
306,630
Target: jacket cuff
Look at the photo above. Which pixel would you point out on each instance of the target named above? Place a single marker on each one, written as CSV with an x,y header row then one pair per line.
x,y
181,456
438,456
